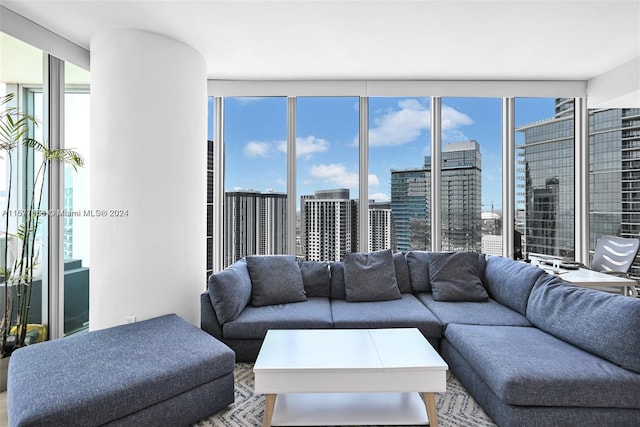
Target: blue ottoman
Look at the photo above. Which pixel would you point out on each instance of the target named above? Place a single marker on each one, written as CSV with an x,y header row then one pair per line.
x,y
162,371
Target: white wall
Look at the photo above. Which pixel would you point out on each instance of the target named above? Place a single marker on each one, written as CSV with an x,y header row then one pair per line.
x,y
617,88
148,150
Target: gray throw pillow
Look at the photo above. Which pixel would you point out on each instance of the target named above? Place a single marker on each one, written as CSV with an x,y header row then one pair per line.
x,y
316,278
370,277
230,291
275,279
457,276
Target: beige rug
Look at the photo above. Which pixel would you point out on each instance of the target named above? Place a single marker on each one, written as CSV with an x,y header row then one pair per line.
x,y
456,408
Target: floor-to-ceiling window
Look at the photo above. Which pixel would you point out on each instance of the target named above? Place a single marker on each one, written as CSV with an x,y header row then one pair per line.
x,y
255,141
22,71
545,158
399,173
327,141
471,193
22,78
76,205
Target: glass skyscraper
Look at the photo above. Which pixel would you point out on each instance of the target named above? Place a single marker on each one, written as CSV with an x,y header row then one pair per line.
x,y
614,178
461,193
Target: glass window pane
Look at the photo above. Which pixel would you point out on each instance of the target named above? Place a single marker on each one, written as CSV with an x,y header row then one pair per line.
x,y
76,201
20,182
399,180
327,183
545,167
614,175
471,193
255,135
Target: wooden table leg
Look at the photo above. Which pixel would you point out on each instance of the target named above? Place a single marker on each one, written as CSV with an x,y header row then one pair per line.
x,y
432,413
269,404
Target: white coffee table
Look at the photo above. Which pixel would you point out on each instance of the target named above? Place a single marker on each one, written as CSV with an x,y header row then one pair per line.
x,y
349,377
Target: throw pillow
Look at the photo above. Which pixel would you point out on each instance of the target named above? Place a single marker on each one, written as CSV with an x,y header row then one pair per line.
x,y
337,280
316,278
230,291
456,276
275,279
370,277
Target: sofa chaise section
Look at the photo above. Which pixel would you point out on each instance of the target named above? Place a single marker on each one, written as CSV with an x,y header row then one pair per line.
x,y
578,361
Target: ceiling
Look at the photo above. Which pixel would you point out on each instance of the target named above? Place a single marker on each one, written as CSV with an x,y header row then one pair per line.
x,y
369,39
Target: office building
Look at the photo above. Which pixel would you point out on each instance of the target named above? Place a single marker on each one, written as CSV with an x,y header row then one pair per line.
x,y
461,193
614,180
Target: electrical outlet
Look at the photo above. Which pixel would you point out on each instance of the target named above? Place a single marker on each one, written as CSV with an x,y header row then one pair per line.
x,y
130,319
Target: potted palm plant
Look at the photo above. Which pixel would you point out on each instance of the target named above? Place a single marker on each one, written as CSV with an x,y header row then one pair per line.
x,y
19,250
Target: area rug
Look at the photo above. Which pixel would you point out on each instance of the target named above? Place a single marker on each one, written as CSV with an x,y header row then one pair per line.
x,y
456,408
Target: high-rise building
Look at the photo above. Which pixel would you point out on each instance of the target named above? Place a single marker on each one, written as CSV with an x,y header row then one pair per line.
x,y
380,226
461,193
254,224
328,225
614,178
461,196
549,183
410,195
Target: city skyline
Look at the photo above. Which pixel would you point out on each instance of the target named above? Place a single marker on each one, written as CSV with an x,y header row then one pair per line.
x,y
327,137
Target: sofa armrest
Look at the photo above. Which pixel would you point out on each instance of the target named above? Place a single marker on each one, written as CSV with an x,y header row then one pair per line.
x,y
208,319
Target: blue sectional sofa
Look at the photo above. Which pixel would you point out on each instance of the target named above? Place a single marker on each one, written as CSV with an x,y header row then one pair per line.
x,y
532,349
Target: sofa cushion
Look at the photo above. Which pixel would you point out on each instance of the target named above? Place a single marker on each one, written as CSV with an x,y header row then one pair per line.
x,y
316,278
526,366
418,263
406,312
337,280
370,276
457,276
488,312
254,322
509,282
601,323
275,279
402,273
230,291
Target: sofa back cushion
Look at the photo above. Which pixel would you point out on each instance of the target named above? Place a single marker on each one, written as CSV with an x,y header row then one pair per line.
x,y
230,291
337,280
509,282
316,278
418,263
370,277
402,273
275,279
601,323
457,276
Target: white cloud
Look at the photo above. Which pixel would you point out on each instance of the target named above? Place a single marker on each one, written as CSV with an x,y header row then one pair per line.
x,y
306,146
336,174
379,197
452,119
400,126
373,180
257,149
406,122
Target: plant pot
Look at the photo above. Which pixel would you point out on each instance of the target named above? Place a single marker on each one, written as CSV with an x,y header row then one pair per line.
x,y
4,369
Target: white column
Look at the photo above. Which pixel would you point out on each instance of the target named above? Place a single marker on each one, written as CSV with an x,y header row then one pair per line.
x,y
148,151
436,169
581,181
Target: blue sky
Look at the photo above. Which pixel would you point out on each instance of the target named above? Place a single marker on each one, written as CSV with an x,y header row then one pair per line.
x,y
327,134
